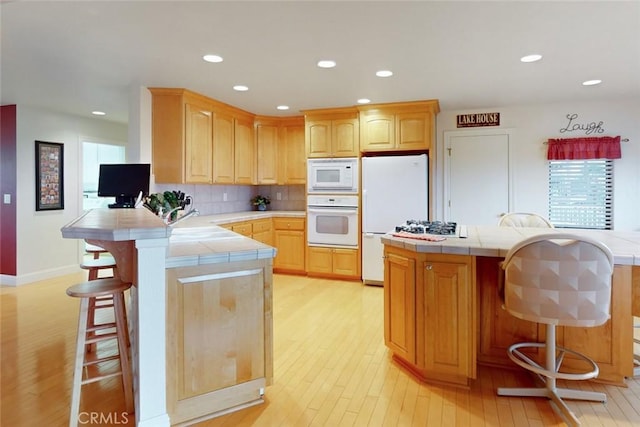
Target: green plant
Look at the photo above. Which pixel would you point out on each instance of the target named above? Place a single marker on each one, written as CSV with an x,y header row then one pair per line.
x,y
260,200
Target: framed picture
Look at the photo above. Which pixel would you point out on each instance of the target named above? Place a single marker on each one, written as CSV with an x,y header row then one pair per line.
x,y
49,176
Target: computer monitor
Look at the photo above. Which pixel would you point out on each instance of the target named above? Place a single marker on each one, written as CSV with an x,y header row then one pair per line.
x,y
124,182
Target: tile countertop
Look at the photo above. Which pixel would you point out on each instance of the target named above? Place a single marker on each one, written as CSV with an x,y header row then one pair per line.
x,y
201,240
496,241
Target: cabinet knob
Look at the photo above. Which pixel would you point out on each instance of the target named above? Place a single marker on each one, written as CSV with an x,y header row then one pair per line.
x,y
429,267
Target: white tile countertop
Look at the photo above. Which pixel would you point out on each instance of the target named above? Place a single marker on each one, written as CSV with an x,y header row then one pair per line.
x,y
200,240
494,241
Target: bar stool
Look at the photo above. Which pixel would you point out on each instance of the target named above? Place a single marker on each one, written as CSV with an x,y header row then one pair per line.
x,y
96,265
87,291
94,250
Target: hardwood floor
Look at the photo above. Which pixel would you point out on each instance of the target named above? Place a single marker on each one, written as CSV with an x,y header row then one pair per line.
x,y
331,369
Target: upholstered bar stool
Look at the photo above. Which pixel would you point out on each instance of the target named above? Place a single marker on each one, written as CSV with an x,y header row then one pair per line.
x,y
88,334
524,219
557,279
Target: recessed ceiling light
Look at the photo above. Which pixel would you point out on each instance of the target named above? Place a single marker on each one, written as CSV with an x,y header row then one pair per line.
x,y
212,58
98,113
241,88
384,73
364,101
326,63
282,107
592,82
531,58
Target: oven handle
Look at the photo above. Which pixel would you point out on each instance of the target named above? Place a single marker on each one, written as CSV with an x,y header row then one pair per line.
x,y
330,210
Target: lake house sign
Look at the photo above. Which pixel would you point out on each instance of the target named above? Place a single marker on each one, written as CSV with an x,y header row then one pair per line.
x,y
478,120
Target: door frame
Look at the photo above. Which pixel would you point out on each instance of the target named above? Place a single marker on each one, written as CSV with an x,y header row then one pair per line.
x,y
448,134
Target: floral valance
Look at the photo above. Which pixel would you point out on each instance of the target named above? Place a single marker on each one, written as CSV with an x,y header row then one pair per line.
x,y
602,147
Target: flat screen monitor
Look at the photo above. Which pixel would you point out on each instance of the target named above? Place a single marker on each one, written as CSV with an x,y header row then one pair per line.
x,y
124,182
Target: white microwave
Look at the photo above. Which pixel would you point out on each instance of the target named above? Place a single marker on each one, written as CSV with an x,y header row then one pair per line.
x,y
332,175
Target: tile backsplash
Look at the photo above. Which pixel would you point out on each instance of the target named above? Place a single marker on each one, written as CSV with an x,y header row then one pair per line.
x,y
218,199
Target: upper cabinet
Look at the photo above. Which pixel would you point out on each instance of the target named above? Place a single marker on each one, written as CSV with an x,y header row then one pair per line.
x,y
182,131
332,132
280,150
197,140
398,127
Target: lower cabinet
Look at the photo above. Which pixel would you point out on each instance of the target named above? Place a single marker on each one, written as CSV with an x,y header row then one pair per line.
x,y
289,239
219,338
429,314
339,262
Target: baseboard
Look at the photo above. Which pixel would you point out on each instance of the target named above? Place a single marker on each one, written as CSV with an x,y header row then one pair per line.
x,y
23,279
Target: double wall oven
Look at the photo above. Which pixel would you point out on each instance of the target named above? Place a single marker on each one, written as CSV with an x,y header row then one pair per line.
x,y
332,202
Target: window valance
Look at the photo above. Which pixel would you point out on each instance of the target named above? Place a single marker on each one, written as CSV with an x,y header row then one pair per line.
x,y
601,147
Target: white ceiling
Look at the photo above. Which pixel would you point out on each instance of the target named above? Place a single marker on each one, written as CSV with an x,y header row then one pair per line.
x,y
80,56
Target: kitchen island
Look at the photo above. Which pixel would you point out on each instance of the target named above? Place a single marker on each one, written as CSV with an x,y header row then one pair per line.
x,y
200,316
443,313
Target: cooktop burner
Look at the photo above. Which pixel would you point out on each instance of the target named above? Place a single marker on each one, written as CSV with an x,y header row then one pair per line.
x,y
428,227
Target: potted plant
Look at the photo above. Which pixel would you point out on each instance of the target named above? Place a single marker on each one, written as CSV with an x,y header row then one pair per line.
x,y
261,202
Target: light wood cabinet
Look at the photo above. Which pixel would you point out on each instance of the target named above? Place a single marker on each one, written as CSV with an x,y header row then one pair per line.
x,y
233,147
280,150
219,337
267,150
332,133
290,241
430,319
292,164
400,305
333,262
608,345
262,231
182,131
408,126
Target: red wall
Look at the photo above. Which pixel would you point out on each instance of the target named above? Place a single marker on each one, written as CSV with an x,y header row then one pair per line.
x,y
8,143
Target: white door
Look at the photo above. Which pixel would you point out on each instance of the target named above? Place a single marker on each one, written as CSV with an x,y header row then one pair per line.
x,y
477,176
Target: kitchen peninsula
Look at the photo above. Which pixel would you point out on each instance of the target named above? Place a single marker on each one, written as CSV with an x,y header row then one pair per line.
x,y
443,314
200,312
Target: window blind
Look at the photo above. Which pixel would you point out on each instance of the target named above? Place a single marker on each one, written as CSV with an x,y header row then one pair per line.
x,y
581,193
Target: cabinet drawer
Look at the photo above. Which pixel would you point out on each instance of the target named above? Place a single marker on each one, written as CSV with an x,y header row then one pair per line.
x,y
244,229
288,223
261,225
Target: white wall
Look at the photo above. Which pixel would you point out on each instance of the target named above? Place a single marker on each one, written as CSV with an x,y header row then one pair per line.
x,y
41,250
532,125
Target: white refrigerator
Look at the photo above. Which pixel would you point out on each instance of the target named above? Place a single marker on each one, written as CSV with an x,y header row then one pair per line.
x,y
394,189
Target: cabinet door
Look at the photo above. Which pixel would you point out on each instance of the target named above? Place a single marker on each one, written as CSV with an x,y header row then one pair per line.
x,y
413,131
377,132
448,319
345,262
400,306
319,260
198,134
290,245
318,138
220,335
498,328
223,163
244,152
293,165
345,141
267,153
262,231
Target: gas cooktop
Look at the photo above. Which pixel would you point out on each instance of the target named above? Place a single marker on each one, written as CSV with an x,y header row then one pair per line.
x,y
428,227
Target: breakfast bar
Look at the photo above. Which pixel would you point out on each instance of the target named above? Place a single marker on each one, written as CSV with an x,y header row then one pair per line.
x,y
443,314
200,320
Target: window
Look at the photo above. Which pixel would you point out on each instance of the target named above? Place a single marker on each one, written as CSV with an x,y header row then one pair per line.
x,y
581,193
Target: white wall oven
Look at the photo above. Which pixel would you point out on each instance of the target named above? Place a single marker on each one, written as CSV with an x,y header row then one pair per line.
x,y
332,220
337,176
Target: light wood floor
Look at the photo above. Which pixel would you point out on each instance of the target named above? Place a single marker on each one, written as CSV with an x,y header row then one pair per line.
x,y
331,369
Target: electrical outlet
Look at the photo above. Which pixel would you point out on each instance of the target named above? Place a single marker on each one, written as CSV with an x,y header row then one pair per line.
x,y
7,199
224,197
278,196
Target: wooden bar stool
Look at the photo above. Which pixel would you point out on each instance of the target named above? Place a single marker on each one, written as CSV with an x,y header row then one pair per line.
x,y
94,250
96,265
87,335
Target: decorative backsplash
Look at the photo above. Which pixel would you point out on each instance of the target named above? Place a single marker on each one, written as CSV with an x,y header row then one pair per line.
x,y
218,199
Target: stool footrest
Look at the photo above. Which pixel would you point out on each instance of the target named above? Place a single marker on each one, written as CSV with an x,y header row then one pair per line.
x,y
101,377
101,326
92,362
99,338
